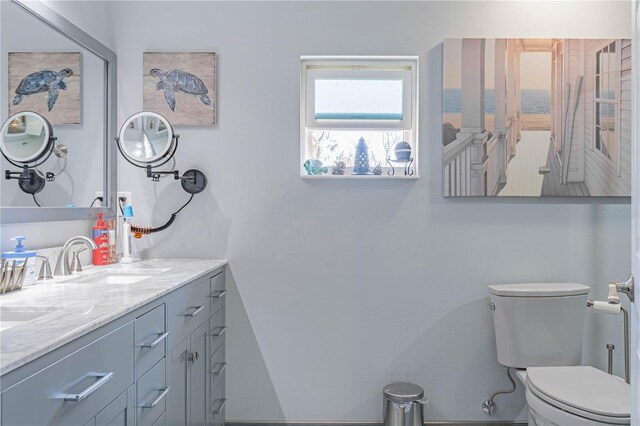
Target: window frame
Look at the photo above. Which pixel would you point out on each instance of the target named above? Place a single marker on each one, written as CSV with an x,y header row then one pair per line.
x,y
313,68
612,163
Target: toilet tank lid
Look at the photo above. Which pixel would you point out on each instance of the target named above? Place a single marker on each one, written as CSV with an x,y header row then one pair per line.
x,y
538,289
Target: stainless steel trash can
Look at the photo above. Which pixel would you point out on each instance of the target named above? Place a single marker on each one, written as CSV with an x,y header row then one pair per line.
x,y
403,404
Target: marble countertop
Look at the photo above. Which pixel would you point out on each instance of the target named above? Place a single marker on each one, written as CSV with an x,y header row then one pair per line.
x,y
73,309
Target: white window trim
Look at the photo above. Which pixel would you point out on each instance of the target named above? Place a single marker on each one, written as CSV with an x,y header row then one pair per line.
x,y
409,123
612,164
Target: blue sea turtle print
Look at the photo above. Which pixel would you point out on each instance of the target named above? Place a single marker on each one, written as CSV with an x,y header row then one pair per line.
x,y
180,81
42,81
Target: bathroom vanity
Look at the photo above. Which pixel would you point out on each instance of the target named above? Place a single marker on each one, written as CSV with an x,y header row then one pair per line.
x,y
120,345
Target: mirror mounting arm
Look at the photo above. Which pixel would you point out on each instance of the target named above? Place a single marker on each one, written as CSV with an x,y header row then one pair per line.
x,y
155,175
22,175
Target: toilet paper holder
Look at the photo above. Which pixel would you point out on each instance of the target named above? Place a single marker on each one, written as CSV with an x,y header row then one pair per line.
x,y
626,287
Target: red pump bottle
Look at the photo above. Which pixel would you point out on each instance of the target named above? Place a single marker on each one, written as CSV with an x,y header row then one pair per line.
x,y
101,238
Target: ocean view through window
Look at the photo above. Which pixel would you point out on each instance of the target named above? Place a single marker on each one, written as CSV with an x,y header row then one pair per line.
x,y
359,117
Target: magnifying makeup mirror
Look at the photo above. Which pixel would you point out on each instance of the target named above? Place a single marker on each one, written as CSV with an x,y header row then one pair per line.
x,y
147,140
27,141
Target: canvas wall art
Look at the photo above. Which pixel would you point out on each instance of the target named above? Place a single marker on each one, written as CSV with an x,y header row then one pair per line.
x,y
537,117
48,83
181,86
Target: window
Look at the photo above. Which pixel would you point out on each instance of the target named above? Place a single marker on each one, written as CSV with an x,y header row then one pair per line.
x,y
346,99
606,103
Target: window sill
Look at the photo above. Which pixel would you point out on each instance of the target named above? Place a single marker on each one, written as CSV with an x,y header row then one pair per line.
x,y
361,177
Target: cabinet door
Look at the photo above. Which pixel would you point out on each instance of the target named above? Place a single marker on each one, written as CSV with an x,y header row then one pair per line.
x,y
121,412
177,378
198,376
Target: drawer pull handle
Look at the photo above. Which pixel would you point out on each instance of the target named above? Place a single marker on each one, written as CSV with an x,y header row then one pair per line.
x,y
103,378
223,402
220,294
153,344
163,393
195,312
221,332
223,365
193,356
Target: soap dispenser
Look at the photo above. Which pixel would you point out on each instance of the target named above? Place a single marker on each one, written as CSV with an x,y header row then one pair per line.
x,y
21,255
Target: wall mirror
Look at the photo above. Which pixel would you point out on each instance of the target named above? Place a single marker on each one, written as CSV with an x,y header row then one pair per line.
x,y
55,71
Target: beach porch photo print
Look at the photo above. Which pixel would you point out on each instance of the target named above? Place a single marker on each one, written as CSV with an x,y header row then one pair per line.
x,y
537,117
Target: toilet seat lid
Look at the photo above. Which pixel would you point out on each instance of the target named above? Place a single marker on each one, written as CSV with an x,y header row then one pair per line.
x,y
582,390
538,289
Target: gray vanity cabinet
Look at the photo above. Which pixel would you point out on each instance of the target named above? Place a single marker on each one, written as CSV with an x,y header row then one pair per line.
x,y
160,365
76,388
189,364
187,400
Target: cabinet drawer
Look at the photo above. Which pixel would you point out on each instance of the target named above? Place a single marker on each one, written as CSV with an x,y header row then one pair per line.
x,y
189,308
218,292
218,403
217,330
151,336
217,367
120,412
151,393
74,389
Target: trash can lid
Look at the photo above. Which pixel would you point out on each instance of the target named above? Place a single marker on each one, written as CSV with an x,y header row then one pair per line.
x,y
403,392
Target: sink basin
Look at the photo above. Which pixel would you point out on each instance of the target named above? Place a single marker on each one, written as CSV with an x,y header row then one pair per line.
x,y
13,317
115,275
109,278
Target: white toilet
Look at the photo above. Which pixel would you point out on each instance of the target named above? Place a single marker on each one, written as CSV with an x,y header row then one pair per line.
x,y
539,329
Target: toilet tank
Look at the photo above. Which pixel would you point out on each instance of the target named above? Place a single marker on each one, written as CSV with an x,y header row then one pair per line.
x,y
539,324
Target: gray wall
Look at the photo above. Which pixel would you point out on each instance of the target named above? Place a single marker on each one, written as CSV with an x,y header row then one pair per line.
x,y
340,287
337,288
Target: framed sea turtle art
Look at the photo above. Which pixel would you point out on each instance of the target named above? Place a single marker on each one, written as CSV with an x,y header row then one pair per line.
x,y
181,86
48,83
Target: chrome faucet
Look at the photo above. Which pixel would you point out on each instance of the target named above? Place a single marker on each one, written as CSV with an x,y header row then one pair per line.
x,y
62,265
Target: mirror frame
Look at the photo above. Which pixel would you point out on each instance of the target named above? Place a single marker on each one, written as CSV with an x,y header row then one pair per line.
x,y
64,27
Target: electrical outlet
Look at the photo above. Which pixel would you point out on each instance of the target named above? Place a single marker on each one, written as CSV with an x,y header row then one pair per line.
x,y
126,197
98,203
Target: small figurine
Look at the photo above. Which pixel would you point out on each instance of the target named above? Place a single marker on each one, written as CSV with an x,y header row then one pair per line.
x,y
402,153
338,168
377,170
361,162
314,167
